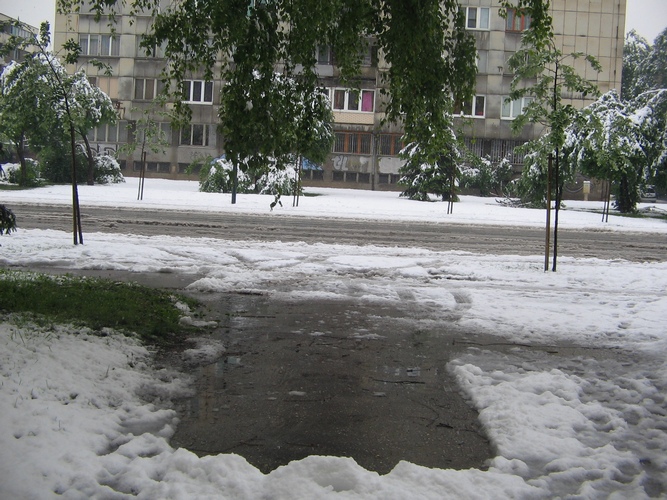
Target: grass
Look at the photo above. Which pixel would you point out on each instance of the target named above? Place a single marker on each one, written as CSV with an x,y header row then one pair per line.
x,y
93,302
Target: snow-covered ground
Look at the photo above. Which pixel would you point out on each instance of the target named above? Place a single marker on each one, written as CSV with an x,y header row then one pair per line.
x,y
87,416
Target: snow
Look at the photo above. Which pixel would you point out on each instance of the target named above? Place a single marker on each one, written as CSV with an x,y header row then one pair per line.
x,y
86,415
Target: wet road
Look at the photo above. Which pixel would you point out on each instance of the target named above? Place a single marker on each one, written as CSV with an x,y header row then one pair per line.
x,y
603,244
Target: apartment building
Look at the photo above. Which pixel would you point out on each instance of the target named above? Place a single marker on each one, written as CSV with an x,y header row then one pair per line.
x,y
8,29
365,152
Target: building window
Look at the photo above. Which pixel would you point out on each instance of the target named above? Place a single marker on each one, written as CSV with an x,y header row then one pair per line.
x,y
195,135
482,61
157,51
477,18
99,45
390,144
475,108
352,142
512,109
162,134
354,100
324,55
516,21
19,31
367,55
145,89
109,133
198,91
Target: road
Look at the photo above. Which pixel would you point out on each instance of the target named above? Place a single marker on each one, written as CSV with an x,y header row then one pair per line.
x,y
638,247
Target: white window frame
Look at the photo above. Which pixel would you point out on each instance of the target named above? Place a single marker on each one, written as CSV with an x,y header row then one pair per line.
x,y
474,108
190,139
110,42
193,96
479,14
515,107
348,102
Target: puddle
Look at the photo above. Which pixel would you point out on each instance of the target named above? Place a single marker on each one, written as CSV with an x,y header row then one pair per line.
x,y
329,378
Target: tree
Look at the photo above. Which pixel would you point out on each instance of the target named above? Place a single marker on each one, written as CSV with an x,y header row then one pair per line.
x,y
644,66
23,92
605,142
430,59
432,169
649,112
43,88
263,132
91,107
635,50
147,135
542,74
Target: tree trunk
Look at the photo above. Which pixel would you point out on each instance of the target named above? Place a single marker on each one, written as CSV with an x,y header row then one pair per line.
x,y
76,211
23,177
91,161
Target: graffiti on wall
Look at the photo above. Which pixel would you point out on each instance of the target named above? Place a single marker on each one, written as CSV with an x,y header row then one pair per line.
x,y
101,149
340,162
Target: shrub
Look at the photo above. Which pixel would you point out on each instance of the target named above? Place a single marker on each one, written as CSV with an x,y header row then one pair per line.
x,y
13,173
107,170
7,220
277,178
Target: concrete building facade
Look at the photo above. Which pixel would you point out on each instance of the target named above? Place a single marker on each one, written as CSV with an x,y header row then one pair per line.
x,y
8,28
365,153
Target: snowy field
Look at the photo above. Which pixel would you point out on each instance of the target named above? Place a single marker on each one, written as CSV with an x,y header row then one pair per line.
x,y
87,416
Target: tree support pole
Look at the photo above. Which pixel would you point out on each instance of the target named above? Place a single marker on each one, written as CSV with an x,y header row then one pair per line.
x,y
548,232
142,176
77,232
559,194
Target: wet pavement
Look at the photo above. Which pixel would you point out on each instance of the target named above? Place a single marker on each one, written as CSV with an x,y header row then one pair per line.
x,y
329,377
332,377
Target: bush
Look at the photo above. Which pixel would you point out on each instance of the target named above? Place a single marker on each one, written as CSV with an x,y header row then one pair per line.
x,y
7,220
13,173
216,177
56,164
491,179
107,170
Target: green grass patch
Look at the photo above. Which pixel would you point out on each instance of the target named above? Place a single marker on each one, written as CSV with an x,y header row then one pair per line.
x,y
94,302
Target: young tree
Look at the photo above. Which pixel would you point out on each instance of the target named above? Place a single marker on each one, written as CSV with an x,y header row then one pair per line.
x,y
542,73
148,135
90,108
432,169
51,90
